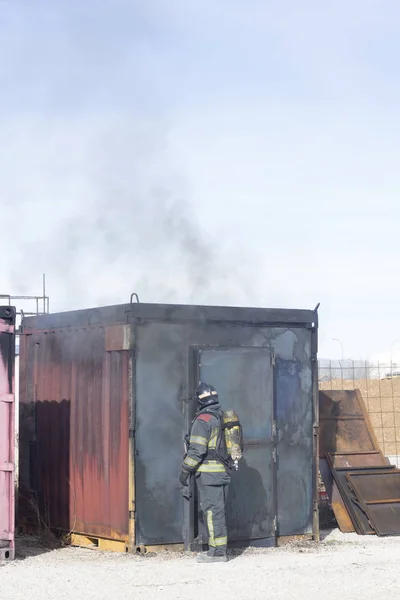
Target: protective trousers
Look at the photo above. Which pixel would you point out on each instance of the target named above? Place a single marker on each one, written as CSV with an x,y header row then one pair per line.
x,y
212,502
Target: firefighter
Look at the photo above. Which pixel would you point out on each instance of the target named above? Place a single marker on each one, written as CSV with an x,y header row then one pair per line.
x,y
206,460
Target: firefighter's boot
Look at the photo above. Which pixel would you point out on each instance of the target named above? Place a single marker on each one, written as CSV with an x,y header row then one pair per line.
x,y
205,557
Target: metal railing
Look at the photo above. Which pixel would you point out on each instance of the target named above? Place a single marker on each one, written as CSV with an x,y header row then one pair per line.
x,y
42,302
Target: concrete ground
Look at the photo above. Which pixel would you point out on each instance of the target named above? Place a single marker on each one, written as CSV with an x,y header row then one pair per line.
x,y
341,567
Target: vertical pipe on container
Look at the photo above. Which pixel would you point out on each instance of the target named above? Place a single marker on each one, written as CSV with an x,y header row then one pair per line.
x,y
131,440
194,359
11,357
275,442
315,396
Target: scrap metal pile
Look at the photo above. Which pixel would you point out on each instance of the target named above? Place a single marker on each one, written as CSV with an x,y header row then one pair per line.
x,y
362,486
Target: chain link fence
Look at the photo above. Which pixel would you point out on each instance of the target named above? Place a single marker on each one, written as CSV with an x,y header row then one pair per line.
x,y
379,385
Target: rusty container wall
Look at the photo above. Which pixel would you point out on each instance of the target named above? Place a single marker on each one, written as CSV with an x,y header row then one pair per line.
x,y
7,431
74,403
105,400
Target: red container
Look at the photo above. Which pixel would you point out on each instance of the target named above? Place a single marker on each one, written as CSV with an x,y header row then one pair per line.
x,y
73,434
7,431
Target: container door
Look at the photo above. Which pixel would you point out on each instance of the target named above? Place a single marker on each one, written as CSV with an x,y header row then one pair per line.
x,y
244,380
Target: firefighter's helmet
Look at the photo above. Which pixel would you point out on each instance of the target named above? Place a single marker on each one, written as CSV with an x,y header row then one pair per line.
x,y
206,395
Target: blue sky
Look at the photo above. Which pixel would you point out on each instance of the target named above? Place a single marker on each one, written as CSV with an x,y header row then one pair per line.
x,y
228,152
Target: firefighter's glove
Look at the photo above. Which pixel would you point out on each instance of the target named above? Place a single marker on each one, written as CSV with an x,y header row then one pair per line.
x,y
184,478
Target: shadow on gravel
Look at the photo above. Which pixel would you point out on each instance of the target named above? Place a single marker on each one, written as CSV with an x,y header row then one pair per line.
x,y
323,534
27,546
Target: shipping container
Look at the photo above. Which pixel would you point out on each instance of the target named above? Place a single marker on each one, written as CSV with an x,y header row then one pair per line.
x,y
7,432
106,397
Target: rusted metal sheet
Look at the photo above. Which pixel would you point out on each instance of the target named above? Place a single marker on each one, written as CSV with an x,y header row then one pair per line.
x,y
346,508
7,432
74,404
344,424
335,500
346,460
343,463
118,337
379,496
341,513
358,516
347,439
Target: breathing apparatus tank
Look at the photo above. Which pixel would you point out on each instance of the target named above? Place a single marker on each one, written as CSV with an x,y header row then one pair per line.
x,y
233,436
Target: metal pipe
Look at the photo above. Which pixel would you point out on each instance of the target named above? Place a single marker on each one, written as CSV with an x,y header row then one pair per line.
x,y
315,443
136,296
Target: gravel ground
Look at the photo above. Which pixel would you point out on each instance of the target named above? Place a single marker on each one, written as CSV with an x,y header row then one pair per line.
x,y
344,567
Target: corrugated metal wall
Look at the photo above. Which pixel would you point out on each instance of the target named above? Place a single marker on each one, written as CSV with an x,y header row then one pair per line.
x,y
73,426
7,431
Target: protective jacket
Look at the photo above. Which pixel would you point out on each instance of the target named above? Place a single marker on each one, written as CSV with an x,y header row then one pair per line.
x,y
206,447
